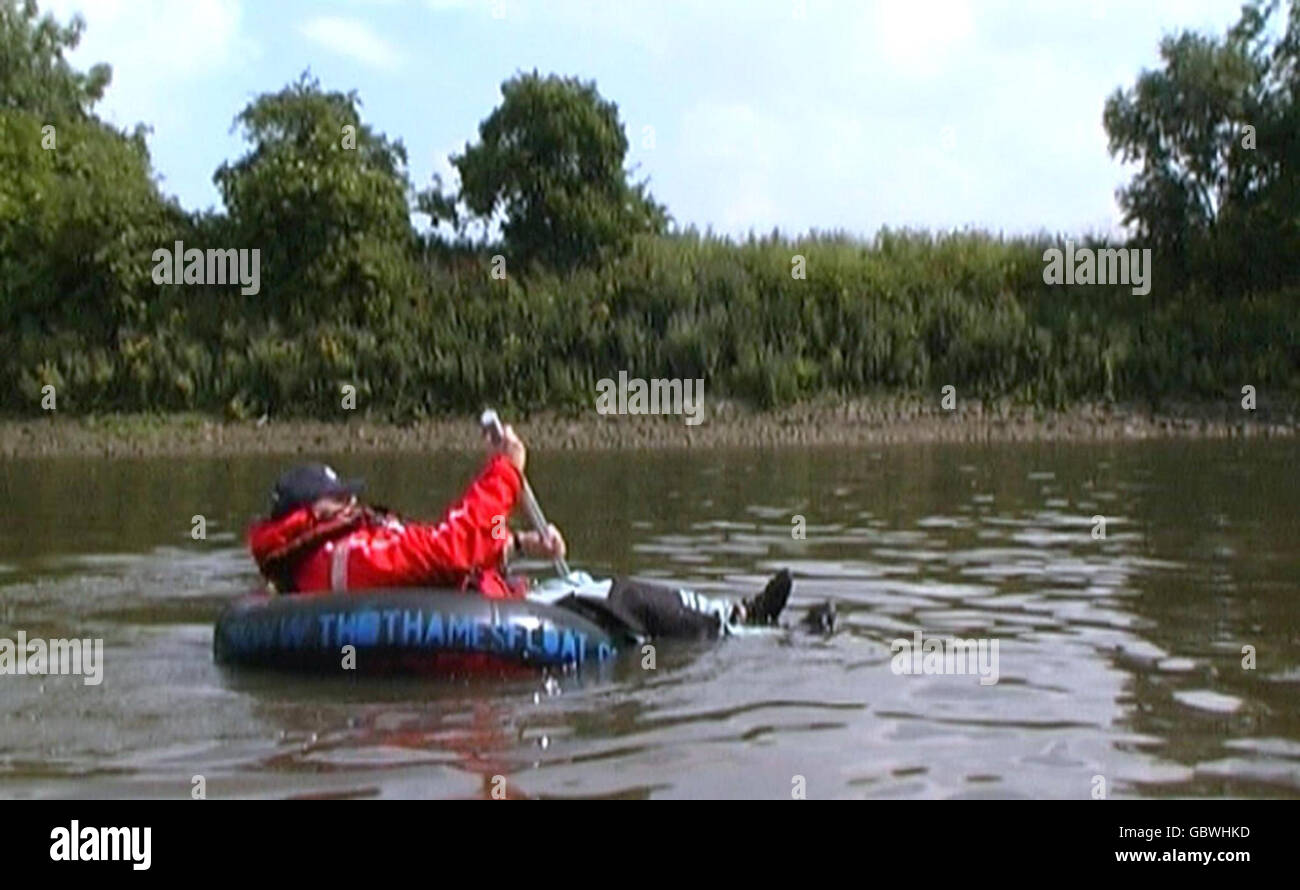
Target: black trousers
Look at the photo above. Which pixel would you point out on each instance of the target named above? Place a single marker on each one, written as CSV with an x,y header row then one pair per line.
x,y
645,610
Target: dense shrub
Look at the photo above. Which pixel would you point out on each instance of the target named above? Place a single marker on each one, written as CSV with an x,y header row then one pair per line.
x,y
904,312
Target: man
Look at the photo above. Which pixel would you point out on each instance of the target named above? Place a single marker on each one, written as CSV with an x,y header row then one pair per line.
x,y
320,538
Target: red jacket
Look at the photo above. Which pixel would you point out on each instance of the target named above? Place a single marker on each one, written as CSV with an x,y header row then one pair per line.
x,y
363,550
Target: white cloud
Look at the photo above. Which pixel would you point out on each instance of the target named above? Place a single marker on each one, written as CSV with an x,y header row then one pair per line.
x,y
919,38
355,40
160,52
730,132
146,38
738,151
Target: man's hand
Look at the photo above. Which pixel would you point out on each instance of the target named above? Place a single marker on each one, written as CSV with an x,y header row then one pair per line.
x,y
512,447
549,547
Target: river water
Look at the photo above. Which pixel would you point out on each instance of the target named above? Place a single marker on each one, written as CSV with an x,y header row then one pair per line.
x,y
1162,659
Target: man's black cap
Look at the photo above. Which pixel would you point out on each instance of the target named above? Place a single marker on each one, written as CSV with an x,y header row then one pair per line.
x,y
307,483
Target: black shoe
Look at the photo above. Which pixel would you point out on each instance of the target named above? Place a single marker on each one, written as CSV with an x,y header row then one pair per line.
x,y
822,618
766,607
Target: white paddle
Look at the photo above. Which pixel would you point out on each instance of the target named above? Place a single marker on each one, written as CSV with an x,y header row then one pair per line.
x,y
491,425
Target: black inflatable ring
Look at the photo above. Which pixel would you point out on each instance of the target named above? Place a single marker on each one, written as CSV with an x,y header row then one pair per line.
x,y
405,631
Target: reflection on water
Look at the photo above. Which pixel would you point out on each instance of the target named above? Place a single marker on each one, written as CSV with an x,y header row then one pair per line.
x,y
1120,657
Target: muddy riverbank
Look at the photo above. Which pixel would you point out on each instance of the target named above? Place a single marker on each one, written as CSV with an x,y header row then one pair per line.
x,y
725,425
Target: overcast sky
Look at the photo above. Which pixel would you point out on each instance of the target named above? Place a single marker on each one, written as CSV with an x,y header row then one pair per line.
x,y
743,115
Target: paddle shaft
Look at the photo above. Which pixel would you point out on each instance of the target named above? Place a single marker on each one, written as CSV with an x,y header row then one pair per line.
x,y
491,424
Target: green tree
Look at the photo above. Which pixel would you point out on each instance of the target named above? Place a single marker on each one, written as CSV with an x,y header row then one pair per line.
x,y
1214,133
549,164
325,198
34,75
80,212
